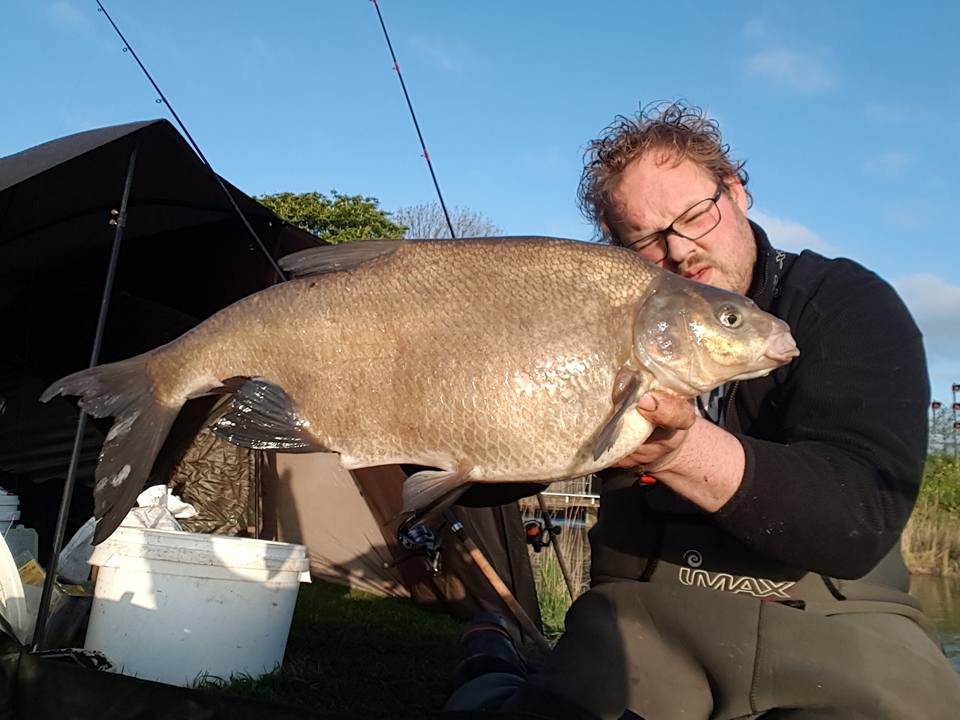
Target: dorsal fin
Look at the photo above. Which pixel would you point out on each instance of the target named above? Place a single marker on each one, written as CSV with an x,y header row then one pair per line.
x,y
334,258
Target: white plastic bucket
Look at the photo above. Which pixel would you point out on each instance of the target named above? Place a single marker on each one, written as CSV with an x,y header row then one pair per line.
x,y
174,606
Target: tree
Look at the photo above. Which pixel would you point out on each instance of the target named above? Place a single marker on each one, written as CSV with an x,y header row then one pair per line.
x,y
335,219
428,221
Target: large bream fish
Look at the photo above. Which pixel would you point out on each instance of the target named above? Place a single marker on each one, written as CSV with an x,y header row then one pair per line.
x,y
492,360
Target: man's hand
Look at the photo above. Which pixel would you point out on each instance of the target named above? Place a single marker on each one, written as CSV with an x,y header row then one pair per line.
x,y
690,455
672,418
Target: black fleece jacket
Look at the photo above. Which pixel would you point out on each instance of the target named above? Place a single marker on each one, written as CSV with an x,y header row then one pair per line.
x,y
835,441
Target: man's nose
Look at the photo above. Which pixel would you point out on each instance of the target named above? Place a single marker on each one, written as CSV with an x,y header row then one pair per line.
x,y
678,247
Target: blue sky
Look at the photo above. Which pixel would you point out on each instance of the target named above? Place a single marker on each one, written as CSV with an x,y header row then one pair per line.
x,y
848,114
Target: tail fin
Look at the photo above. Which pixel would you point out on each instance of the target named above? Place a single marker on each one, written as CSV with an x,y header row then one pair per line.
x,y
120,390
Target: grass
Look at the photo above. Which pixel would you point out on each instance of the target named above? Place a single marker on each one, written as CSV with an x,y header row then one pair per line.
x,y
931,540
552,594
352,652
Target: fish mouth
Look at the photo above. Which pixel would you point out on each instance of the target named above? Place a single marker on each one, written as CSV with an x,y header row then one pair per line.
x,y
781,348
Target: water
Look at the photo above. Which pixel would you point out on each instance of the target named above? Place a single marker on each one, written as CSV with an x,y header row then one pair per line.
x,y
941,602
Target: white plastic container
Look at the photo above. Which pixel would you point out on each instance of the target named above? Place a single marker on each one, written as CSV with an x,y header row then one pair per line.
x,y
22,542
174,606
9,510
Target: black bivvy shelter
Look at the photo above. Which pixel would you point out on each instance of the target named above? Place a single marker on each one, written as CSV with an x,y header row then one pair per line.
x,y
185,254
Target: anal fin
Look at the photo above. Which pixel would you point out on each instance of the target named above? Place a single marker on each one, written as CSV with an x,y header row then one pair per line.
x,y
431,491
260,415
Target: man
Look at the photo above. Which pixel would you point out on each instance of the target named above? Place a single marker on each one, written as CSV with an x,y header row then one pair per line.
x,y
760,574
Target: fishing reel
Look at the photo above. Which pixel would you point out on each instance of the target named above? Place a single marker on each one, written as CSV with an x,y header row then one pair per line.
x,y
539,534
419,540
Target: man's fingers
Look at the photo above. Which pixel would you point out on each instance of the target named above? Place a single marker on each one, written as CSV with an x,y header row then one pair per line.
x,y
648,403
667,411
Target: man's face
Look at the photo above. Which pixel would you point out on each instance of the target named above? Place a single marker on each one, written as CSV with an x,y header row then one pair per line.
x,y
654,190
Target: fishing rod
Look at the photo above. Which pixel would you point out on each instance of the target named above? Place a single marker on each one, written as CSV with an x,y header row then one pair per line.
x,y
127,47
423,145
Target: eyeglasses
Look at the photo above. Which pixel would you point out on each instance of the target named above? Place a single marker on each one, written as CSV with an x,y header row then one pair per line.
x,y
692,224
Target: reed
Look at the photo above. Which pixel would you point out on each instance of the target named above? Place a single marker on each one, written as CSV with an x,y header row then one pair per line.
x,y
931,540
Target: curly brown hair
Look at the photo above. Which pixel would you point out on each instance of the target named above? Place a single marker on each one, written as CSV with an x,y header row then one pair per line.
x,y
675,128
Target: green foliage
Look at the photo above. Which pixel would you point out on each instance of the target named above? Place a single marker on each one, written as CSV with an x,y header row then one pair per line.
x,y
931,540
334,219
941,483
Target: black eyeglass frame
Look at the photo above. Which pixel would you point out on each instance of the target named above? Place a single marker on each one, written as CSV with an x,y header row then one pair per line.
x,y
648,240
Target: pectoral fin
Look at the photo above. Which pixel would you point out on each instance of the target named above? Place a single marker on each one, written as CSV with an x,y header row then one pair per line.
x,y
260,415
629,385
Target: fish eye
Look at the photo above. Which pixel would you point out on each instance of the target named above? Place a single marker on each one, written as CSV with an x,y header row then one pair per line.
x,y
729,317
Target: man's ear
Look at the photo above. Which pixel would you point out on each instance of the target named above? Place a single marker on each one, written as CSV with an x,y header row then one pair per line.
x,y
737,192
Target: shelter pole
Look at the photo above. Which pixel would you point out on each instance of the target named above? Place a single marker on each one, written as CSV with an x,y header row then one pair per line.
x,y
456,527
556,546
119,219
